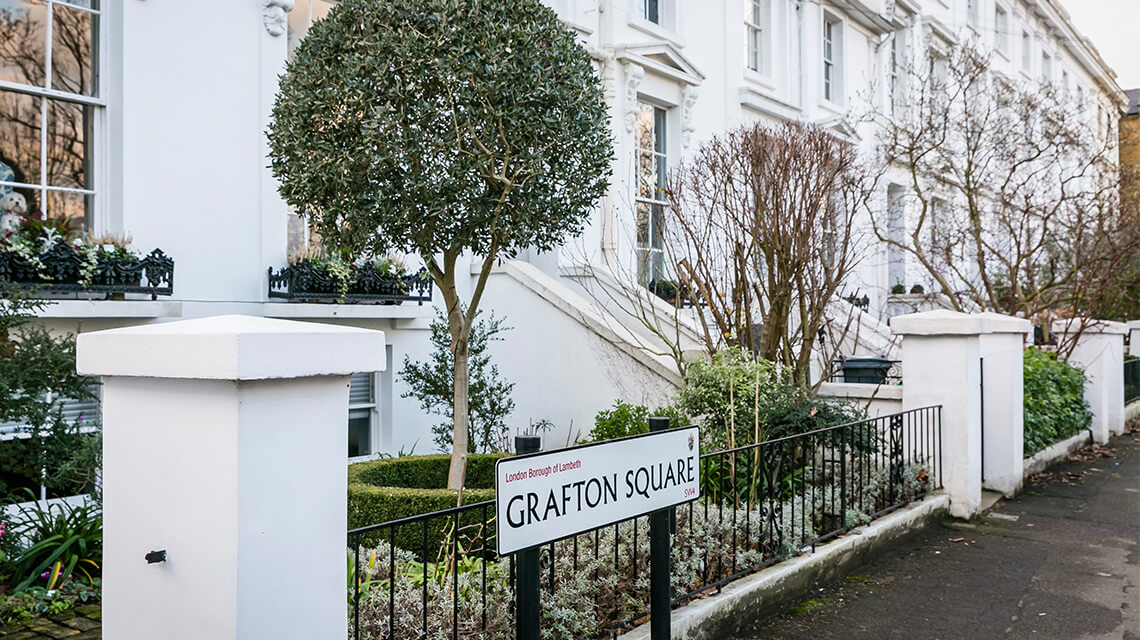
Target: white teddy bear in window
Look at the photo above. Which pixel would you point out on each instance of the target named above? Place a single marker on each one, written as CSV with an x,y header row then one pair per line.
x,y
12,206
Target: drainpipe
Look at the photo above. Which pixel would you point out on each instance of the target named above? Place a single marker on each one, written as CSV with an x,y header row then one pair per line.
x,y
800,47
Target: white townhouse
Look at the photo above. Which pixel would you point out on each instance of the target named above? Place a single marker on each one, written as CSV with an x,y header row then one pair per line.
x,y
147,118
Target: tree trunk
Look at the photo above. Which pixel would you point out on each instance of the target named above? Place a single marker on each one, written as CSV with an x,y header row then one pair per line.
x,y
459,442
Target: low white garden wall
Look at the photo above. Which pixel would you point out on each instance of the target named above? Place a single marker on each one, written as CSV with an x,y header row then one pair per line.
x,y
878,400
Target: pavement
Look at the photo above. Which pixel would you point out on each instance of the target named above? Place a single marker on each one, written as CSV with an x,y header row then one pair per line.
x,y
84,622
1060,561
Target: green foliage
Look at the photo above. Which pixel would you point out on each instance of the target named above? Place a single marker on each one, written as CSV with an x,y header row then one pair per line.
x,y
38,601
36,370
429,125
66,543
8,546
489,396
389,489
423,472
1055,407
738,395
626,419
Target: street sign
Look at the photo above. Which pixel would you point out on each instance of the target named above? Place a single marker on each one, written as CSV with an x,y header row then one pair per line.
x,y
544,497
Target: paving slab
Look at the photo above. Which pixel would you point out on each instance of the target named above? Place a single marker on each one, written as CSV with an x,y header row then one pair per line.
x,y
1060,561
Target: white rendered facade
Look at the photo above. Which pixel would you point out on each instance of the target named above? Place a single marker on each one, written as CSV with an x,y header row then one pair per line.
x,y
176,158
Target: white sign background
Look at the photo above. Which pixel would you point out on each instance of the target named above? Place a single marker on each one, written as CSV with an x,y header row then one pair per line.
x,y
548,496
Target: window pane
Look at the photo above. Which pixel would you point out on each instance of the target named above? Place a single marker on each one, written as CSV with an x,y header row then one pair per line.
x,y
646,175
643,214
67,204
23,41
89,4
359,433
73,60
20,139
645,122
651,11
68,151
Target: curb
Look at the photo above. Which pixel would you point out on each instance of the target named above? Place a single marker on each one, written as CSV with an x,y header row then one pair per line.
x,y
1054,453
744,601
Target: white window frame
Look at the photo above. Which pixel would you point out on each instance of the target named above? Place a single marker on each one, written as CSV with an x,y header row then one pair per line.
x,y
371,408
831,51
758,35
1001,29
896,62
1026,50
665,12
654,267
97,161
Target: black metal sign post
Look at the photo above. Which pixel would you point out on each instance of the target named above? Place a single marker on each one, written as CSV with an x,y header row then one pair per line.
x,y
526,582
661,470
660,596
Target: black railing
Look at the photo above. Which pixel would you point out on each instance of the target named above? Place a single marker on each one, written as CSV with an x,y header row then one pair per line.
x,y
437,575
62,269
1131,380
861,303
678,295
305,282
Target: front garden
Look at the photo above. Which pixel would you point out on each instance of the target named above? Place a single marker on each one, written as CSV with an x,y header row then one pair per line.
x,y
782,470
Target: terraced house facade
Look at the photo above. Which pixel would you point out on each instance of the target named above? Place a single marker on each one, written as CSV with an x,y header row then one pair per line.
x,y
147,117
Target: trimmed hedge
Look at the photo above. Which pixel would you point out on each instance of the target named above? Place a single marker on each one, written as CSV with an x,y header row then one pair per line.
x,y
1055,406
393,488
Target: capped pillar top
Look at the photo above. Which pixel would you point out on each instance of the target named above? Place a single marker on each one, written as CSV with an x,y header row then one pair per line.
x,y
1090,326
944,322
230,347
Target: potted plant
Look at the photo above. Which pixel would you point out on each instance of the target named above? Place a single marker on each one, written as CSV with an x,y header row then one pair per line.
x,y
917,289
898,290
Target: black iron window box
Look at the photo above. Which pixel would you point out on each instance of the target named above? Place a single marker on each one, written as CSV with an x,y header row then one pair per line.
x,y
61,269
306,282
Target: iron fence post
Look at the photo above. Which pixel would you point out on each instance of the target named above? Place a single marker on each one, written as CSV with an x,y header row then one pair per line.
x,y
660,593
527,595
843,478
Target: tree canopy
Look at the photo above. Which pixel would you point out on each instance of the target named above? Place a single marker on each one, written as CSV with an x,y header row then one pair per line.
x,y
425,125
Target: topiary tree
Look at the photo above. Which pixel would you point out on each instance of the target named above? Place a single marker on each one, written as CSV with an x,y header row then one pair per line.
x,y
439,127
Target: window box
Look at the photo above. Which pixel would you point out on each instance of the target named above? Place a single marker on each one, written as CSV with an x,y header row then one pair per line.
x,y
61,269
313,281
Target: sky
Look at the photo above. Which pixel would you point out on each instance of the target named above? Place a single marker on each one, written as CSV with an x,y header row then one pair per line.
x,y
1114,27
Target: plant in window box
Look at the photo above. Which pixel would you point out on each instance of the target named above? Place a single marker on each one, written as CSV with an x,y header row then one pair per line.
x,y
118,265
380,276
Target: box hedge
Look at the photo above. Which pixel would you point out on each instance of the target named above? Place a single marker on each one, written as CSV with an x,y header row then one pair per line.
x,y
394,488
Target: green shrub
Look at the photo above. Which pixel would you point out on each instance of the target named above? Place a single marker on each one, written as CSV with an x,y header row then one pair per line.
x,y
393,488
626,419
38,601
66,543
424,472
1055,406
489,402
738,395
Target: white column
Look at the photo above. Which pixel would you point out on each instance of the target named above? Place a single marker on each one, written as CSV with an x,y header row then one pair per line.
x,y
1100,352
1134,338
1002,351
224,444
941,363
